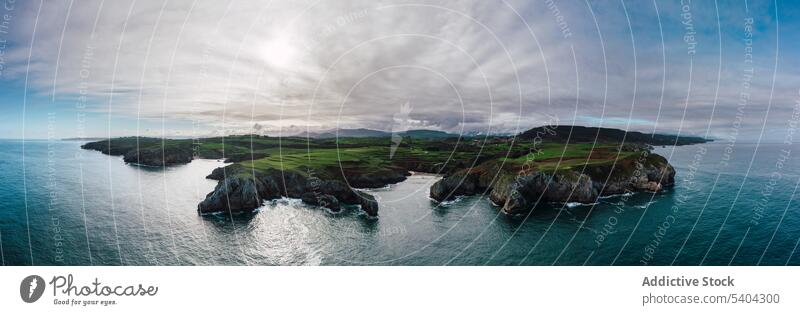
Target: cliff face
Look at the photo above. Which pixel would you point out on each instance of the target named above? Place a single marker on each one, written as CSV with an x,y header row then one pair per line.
x,y
158,157
241,191
580,134
145,151
518,192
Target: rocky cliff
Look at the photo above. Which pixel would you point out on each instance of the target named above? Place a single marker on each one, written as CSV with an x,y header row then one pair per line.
x,y
145,151
239,191
517,191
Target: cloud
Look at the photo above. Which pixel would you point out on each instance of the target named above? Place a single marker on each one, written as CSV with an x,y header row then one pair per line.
x,y
471,65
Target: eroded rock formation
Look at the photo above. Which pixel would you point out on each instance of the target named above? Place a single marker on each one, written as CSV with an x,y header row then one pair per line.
x,y
518,192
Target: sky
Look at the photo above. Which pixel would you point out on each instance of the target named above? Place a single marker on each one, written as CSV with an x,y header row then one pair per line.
x,y
176,68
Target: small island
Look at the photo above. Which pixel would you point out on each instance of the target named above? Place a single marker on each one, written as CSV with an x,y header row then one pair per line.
x,y
544,164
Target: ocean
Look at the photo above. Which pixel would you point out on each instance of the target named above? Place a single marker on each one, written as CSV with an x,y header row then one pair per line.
x,y
60,205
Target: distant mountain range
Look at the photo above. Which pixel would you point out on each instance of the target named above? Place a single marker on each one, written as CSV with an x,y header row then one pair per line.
x,y
575,134
572,134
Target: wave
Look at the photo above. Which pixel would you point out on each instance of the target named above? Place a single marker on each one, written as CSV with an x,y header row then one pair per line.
x,y
147,166
644,206
382,188
579,204
627,194
447,203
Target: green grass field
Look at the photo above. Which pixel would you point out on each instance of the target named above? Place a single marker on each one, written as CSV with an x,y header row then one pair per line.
x,y
332,157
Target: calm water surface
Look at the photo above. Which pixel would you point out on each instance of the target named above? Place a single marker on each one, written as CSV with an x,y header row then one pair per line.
x,y
60,205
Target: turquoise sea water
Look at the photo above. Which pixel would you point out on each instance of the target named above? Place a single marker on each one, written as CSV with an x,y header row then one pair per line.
x,y
60,205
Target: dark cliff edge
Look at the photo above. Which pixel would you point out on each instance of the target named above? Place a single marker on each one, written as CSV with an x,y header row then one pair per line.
x,y
518,191
581,134
145,151
158,152
242,190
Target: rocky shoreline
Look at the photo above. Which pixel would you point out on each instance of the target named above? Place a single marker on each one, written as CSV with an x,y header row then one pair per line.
x,y
518,192
145,152
239,191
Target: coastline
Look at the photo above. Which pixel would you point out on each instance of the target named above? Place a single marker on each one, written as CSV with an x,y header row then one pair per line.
x,y
327,173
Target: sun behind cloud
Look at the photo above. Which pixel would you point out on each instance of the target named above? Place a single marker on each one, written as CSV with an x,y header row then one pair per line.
x,y
279,52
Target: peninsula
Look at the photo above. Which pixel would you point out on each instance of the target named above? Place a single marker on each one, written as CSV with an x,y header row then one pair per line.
x,y
544,164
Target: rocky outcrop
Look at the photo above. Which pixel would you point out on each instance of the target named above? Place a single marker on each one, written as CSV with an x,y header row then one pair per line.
x,y
523,192
322,200
240,191
517,193
158,157
368,203
166,152
219,173
459,184
464,182
145,151
233,194
376,179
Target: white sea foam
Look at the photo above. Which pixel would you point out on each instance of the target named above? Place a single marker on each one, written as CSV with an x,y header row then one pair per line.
x,y
627,194
644,206
578,204
447,203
